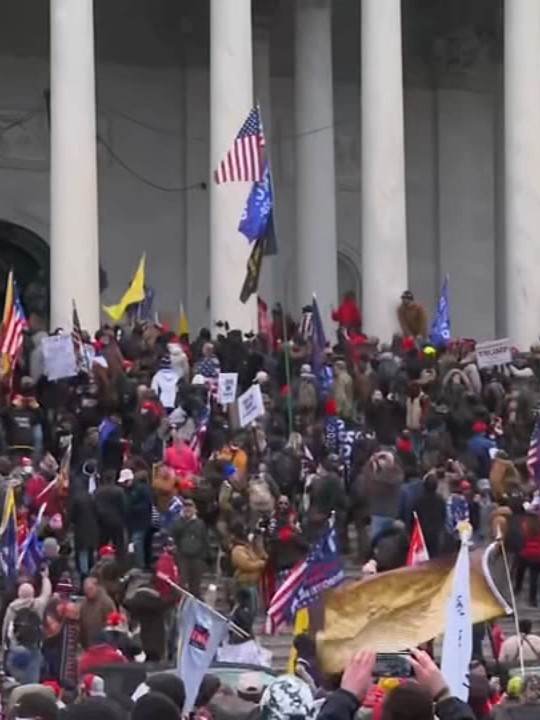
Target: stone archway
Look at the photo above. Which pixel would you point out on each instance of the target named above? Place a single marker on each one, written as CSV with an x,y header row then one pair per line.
x,y
348,277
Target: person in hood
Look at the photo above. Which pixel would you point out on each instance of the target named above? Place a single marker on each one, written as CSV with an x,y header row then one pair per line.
x,y
22,631
164,383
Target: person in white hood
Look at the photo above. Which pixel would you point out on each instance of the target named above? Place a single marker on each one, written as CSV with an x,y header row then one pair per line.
x,y
164,383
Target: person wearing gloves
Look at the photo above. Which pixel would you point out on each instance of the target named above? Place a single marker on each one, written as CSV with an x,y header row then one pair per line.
x,y
425,699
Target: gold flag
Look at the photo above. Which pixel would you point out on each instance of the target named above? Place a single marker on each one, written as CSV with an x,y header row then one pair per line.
x,y
398,610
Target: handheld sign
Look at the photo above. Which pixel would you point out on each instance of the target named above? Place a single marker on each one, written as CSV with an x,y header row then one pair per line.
x,y
250,405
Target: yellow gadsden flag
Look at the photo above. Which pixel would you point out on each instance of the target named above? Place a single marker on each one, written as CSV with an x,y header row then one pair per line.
x,y
397,610
134,293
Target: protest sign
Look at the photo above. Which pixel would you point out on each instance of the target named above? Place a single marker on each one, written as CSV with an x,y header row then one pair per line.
x,y
250,405
227,384
59,357
493,353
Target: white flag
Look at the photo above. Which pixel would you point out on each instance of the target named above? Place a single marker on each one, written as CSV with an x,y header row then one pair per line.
x,y
457,644
201,631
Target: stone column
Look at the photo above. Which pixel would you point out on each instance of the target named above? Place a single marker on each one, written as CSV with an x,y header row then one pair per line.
x,y
74,203
315,162
262,27
231,98
522,169
384,234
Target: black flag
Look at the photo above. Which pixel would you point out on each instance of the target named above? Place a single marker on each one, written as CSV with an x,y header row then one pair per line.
x,y
254,263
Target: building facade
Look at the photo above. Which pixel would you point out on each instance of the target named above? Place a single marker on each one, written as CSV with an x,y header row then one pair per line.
x,y
404,139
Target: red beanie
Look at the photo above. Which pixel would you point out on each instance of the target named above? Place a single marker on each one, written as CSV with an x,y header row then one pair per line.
x,y
330,408
479,427
404,445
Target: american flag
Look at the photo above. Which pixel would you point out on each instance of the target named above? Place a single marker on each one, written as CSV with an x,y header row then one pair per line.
x,y
533,454
197,441
320,571
244,159
14,322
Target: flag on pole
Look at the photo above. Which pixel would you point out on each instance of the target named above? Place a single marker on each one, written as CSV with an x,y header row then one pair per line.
x,y
417,549
64,469
183,324
13,325
200,633
243,162
31,553
8,536
83,362
253,272
321,570
457,643
318,338
265,325
533,454
257,219
440,327
134,294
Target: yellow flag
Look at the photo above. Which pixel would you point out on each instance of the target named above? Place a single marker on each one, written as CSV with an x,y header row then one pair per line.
x,y
134,293
183,325
8,309
301,625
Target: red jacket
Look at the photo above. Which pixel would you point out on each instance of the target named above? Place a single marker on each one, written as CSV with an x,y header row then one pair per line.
x,y
166,565
348,315
35,496
102,654
531,549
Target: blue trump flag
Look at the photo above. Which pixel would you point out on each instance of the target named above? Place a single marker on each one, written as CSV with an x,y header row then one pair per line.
x,y
31,554
440,327
318,338
257,219
8,537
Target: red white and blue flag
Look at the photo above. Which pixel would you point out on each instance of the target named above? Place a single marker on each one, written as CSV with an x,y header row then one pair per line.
x,y
533,454
321,570
244,161
14,322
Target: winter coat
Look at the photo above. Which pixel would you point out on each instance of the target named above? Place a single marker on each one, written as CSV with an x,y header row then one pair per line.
x,y
413,319
111,506
190,537
166,565
348,315
380,488
83,520
248,565
93,617
139,502
531,533
285,468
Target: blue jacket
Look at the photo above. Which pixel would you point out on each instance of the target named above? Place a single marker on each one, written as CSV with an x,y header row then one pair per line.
x,y
480,445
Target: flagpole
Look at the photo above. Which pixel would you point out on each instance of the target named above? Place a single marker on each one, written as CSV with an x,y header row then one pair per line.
x,y
233,626
286,348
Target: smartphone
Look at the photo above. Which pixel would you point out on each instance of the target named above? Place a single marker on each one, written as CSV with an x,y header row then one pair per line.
x,y
394,665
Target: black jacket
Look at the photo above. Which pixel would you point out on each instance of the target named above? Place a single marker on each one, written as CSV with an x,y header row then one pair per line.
x,y
83,519
342,705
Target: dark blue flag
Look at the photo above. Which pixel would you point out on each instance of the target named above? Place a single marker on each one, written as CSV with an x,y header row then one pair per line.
x,y
324,570
8,537
440,327
257,219
318,339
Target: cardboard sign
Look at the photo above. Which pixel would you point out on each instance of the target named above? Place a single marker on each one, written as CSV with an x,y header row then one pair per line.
x,y
250,405
493,353
227,384
59,357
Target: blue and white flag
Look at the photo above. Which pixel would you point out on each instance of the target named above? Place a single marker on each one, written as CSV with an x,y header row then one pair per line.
x,y
440,327
457,643
257,220
200,632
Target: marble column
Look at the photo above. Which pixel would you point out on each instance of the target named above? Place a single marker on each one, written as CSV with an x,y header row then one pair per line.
x,y
522,169
231,98
74,197
315,161
384,234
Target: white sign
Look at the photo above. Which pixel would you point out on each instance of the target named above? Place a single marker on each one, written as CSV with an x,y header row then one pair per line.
x,y
493,353
250,405
227,384
59,357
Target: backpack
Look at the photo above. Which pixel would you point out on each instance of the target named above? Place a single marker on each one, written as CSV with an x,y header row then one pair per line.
x,y
27,628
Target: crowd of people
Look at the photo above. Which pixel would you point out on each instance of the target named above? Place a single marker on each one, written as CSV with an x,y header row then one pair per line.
x,y
143,486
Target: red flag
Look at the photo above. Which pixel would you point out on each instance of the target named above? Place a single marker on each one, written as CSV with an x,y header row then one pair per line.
x,y
417,549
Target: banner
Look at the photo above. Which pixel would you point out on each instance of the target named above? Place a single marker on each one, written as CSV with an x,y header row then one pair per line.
x,y
493,353
59,357
227,385
200,632
250,406
457,643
